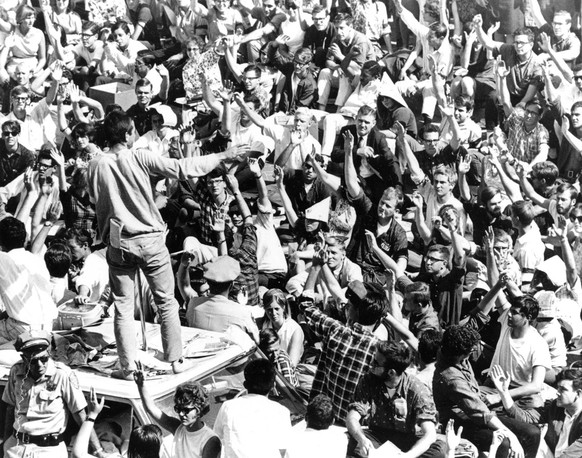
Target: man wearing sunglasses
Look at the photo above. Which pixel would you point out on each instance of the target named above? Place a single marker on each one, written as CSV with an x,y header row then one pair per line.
x,y
14,158
40,395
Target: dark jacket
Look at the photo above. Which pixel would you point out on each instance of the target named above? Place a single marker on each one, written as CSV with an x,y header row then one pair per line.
x,y
305,94
385,162
554,416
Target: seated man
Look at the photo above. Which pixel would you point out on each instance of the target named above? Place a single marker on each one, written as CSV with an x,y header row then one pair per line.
x,y
215,312
375,164
319,35
529,248
522,352
320,437
346,54
292,145
394,404
336,272
562,415
25,288
377,237
297,87
457,396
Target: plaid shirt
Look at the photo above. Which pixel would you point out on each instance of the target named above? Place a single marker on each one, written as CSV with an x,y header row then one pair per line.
x,y
208,211
78,212
246,255
524,146
346,355
284,366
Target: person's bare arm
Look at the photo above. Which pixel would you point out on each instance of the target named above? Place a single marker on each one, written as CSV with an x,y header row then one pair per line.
x,y
561,65
350,175
423,230
165,421
183,277
569,136
255,117
561,230
485,39
528,189
287,205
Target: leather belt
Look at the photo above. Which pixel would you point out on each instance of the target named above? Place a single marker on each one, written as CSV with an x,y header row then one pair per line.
x,y
45,440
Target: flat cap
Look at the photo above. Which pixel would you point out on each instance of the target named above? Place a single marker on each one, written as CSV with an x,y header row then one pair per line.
x,y
222,269
33,339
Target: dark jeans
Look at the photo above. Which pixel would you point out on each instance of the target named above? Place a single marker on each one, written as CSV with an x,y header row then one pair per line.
x,y
528,436
401,440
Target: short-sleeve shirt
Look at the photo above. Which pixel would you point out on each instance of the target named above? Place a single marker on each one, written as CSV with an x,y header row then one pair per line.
x,y
521,74
360,41
40,406
373,402
518,357
393,241
262,20
524,145
282,137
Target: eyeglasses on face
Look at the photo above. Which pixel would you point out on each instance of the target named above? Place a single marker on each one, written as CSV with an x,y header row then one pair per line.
x,y
432,259
576,218
9,133
44,166
577,77
40,359
183,409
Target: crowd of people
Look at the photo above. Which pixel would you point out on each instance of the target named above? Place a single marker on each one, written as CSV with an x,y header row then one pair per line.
x,y
382,195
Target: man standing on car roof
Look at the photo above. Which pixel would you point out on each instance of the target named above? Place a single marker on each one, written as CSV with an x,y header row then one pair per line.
x,y
38,395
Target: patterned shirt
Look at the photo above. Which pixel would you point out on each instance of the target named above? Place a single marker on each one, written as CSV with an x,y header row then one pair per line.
x,y
208,212
246,255
347,354
524,145
383,411
371,19
284,366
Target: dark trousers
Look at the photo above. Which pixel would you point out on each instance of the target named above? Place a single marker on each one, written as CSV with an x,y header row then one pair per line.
x,y
527,434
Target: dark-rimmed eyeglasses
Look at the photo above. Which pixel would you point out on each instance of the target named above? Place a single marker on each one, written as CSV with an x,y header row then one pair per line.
x,y
39,359
576,218
577,77
433,260
9,133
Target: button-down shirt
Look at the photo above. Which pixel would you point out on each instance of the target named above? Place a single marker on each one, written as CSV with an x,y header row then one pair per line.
x,y
457,395
346,356
373,401
12,165
40,406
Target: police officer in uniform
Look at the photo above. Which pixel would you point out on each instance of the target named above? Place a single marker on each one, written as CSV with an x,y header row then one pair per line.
x,y
38,395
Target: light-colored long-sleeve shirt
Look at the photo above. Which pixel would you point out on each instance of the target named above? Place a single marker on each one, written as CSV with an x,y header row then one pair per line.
x,y
119,183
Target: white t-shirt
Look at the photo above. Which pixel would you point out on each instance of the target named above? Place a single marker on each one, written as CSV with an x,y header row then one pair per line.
x,y
253,426
518,357
313,443
270,255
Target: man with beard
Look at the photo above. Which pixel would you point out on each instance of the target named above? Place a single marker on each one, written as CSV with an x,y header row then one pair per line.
x,y
319,35
561,203
40,396
394,403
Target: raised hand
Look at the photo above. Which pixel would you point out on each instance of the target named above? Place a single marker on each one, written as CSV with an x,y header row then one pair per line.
x,y
453,439
296,137
417,200
545,44
371,239
457,40
54,212
58,157
561,227
278,176
57,73
502,70
493,28
282,39
478,21
29,182
500,379
254,167
489,239
236,152
227,92
188,258
74,93
464,165
94,406
232,182
218,223
138,374
348,142
399,130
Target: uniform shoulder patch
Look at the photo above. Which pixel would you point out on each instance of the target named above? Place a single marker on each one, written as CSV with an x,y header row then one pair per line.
x,y
74,380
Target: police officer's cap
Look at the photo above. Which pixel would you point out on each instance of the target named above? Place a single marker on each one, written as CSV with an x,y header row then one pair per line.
x,y
33,341
222,269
